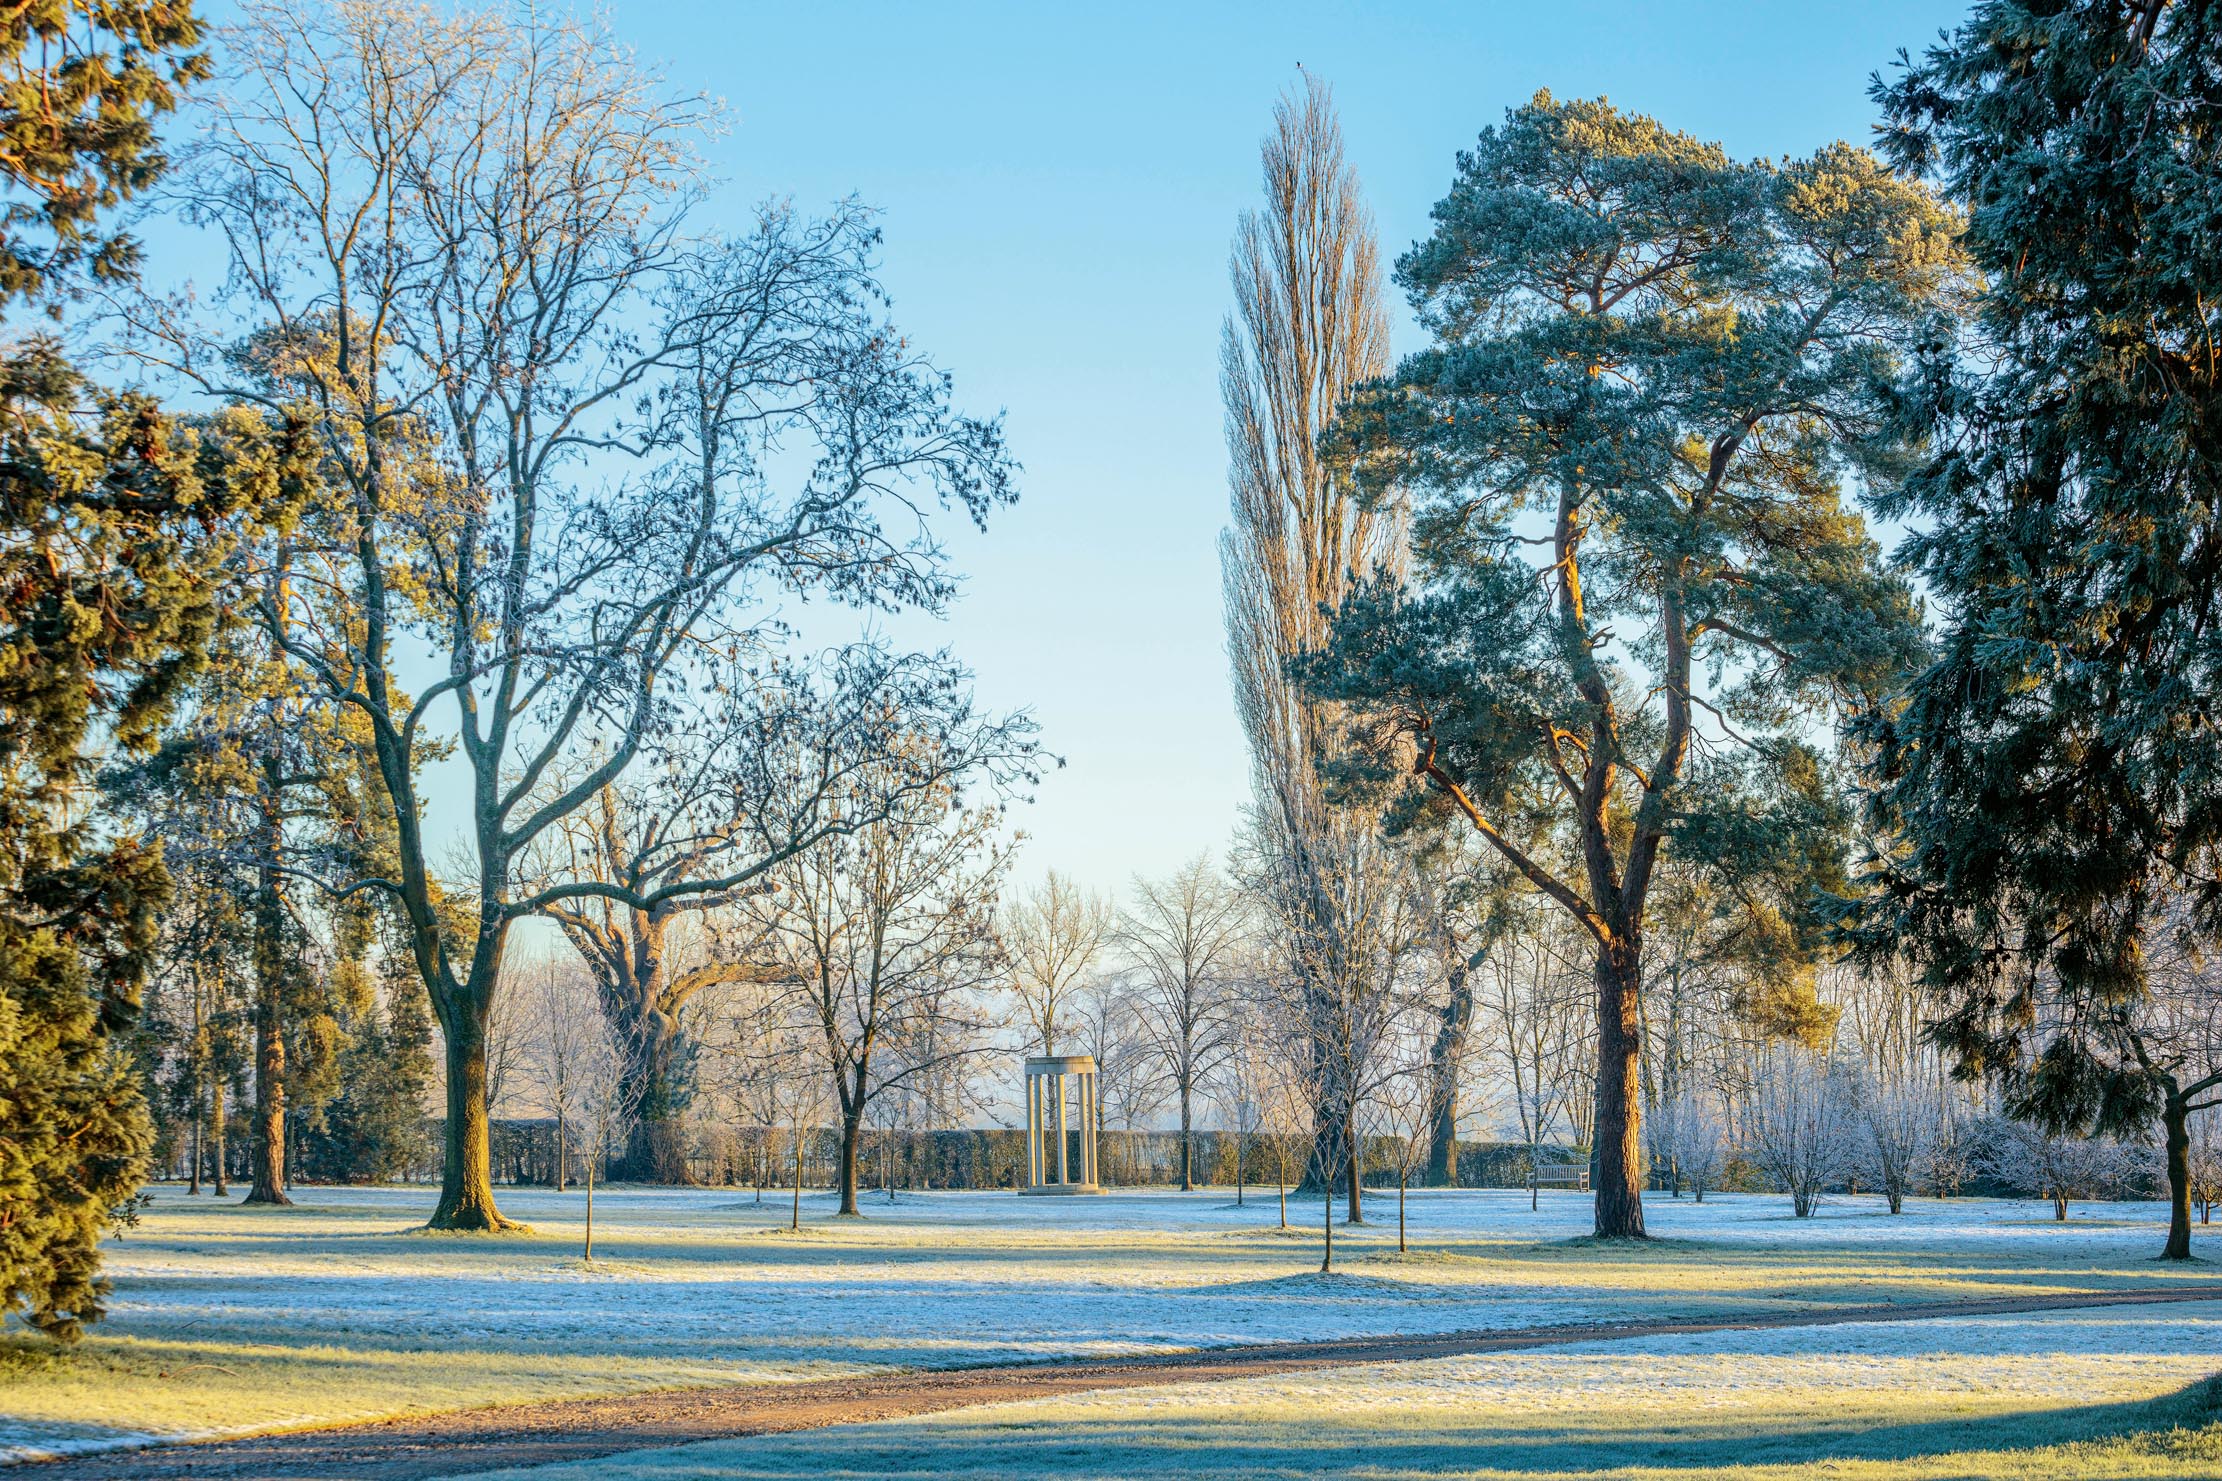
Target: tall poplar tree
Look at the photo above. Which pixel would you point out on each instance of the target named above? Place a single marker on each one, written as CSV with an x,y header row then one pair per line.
x,y
1637,587
1308,325
2054,777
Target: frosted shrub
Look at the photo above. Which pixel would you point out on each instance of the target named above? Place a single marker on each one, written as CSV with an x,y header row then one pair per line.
x,y
1903,1132
2058,1166
1800,1126
1690,1139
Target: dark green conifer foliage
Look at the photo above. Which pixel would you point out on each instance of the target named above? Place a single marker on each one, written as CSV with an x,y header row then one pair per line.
x,y
112,527
1636,584
113,519
2054,776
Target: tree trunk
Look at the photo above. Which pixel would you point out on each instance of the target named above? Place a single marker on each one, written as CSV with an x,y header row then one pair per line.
x,y
217,1185
1187,1145
1618,1132
267,1152
466,1173
852,1135
1401,1179
589,1255
1327,1151
1327,1224
1357,1166
1443,1061
655,1150
1238,1166
794,1220
2175,1121
563,1150
200,1119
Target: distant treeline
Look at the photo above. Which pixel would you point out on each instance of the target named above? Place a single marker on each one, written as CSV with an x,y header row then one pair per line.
x,y
974,1159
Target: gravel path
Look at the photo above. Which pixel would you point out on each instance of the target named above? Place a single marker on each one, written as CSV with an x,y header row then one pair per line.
x,y
471,1440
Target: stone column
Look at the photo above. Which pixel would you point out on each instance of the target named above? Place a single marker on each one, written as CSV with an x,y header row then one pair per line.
x,y
1088,1120
1034,1131
1064,1170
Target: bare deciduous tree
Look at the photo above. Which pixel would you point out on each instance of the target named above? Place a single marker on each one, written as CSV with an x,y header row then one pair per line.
x,y
1051,941
462,241
1181,932
1106,1018
564,1035
885,937
1698,1139
1308,325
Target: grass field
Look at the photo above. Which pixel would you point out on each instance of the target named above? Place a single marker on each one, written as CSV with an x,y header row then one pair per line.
x,y
2106,1393
228,1319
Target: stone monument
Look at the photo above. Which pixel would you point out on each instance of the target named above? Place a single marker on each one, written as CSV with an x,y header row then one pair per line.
x,y
1054,1083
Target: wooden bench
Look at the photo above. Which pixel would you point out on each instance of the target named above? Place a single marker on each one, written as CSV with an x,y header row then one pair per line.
x,y
1559,1175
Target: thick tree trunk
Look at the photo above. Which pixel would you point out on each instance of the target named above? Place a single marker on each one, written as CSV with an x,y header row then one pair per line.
x,y
2175,1122
269,1140
852,1137
466,1174
1619,1122
1357,1155
1443,1061
656,1152
268,1149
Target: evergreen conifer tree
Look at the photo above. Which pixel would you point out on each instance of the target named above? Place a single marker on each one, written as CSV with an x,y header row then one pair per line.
x,y
1637,586
2053,778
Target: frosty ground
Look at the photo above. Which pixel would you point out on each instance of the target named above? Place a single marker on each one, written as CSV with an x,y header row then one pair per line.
x,y
228,1319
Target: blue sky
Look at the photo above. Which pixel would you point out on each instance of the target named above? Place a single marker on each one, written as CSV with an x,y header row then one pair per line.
x,y
1059,184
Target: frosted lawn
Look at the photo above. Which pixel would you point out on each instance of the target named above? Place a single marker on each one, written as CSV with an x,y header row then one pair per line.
x,y
1973,1399
228,1319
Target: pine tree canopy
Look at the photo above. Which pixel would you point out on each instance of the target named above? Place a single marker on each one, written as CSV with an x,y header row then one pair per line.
x,y
2054,777
114,520
81,83
1637,579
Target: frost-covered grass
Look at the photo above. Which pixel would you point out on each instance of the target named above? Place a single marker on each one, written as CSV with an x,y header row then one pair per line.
x,y
2095,1393
228,1319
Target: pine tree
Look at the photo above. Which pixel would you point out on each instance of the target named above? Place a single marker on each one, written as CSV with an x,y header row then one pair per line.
x,y
1657,367
112,526
114,519
2054,776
